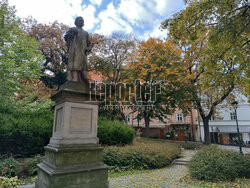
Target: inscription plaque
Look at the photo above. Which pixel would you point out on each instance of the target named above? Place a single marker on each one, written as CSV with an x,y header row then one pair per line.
x,y
80,120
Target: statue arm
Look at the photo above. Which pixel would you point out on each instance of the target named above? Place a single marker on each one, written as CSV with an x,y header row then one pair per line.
x,y
89,45
69,36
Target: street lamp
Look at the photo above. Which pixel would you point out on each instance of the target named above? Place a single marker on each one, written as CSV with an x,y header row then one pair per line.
x,y
235,106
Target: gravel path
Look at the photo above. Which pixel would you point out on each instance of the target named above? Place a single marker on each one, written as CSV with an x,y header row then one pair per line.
x,y
166,177
245,150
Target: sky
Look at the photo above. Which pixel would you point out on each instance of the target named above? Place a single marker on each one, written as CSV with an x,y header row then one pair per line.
x,y
141,18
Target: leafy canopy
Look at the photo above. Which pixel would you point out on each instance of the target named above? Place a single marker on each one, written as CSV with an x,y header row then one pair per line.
x,y
214,38
157,61
20,60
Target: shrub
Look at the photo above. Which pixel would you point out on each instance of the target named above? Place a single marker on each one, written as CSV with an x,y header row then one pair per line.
x,y
244,170
8,182
191,145
29,166
25,133
214,164
143,154
22,168
14,182
9,166
114,132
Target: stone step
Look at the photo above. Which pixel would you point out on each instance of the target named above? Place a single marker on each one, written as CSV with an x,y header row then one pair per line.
x,y
27,186
180,162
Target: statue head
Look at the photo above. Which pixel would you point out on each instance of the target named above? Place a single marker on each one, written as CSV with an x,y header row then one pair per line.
x,y
79,21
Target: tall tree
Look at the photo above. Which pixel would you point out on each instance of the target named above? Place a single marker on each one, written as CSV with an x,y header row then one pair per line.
x,y
110,54
157,65
214,38
20,60
53,47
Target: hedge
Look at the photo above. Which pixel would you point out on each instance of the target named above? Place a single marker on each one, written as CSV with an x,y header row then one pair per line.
x,y
114,132
143,154
214,164
25,133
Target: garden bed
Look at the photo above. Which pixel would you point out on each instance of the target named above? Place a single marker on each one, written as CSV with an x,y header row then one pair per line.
x,y
143,154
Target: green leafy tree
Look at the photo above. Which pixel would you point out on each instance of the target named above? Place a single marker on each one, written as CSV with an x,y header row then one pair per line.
x,y
214,36
20,60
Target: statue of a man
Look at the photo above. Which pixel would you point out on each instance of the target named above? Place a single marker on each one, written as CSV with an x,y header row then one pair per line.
x,y
78,47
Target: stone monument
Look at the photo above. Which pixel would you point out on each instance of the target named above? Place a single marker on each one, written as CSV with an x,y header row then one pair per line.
x,y
73,158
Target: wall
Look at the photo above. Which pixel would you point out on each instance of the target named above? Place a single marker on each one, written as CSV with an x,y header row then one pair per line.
x,y
170,121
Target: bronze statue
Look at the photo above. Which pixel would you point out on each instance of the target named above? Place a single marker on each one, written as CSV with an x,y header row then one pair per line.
x,y
78,47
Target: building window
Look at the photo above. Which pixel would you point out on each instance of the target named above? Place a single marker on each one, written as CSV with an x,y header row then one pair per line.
x,y
127,118
96,82
233,116
179,117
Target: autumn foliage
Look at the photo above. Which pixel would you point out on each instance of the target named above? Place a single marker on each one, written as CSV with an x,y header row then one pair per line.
x,y
158,58
157,61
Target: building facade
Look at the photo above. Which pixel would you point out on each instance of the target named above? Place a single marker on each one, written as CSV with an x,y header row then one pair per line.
x,y
223,130
177,126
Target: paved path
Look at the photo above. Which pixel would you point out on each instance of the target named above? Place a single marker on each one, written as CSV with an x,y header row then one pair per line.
x,y
166,177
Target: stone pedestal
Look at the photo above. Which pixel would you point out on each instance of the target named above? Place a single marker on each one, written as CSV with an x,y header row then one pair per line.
x,y
73,158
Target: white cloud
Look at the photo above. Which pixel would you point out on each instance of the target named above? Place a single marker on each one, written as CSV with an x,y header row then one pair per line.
x,y
156,31
165,7
75,6
48,11
96,2
89,17
136,11
128,13
111,21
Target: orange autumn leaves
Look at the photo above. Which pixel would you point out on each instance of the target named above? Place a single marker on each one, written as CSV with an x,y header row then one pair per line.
x,y
156,59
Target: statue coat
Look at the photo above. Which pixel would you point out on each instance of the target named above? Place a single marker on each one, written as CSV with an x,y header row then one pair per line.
x,y
78,46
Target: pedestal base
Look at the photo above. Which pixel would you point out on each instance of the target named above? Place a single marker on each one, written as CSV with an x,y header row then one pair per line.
x,y
73,167
73,158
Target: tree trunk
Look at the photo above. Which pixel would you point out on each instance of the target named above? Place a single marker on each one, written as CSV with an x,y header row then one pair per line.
x,y
206,131
146,119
